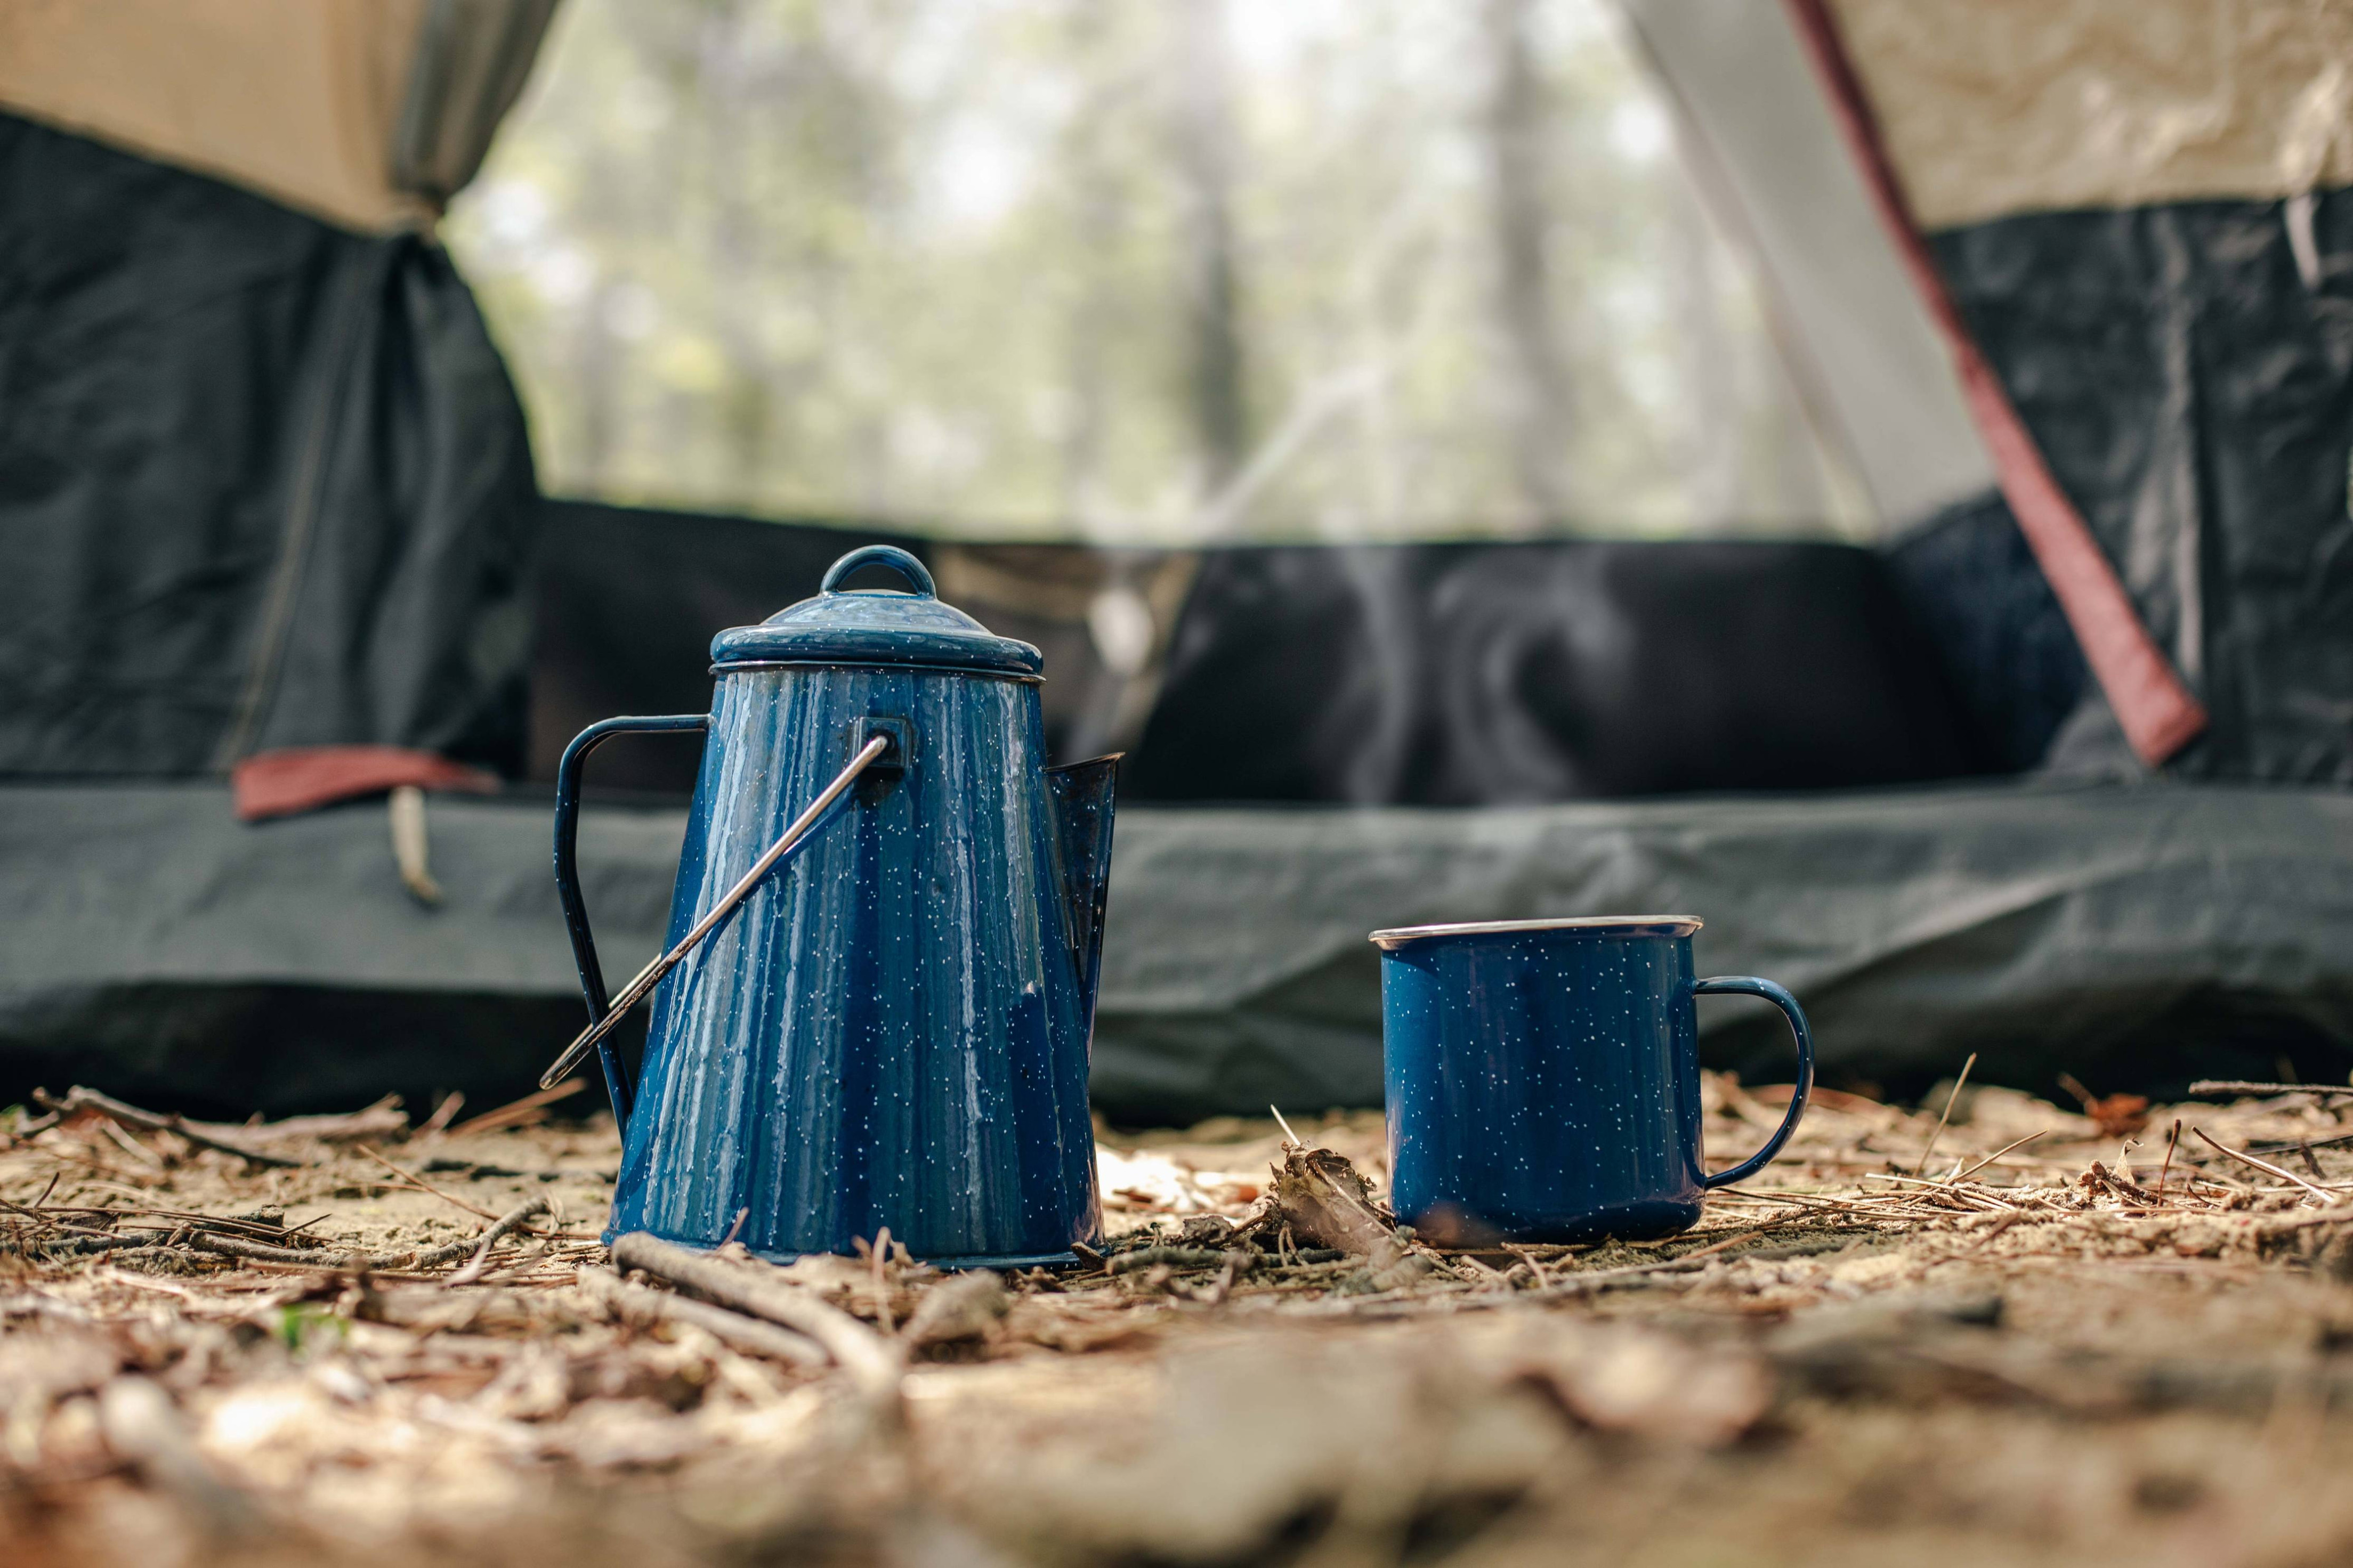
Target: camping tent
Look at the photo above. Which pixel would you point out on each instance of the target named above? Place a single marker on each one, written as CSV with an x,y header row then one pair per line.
x,y
2057,775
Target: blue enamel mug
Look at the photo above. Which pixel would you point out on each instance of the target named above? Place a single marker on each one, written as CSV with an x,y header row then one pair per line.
x,y
1543,1078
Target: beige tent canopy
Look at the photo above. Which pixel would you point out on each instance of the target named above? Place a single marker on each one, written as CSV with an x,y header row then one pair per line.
x,y
369,113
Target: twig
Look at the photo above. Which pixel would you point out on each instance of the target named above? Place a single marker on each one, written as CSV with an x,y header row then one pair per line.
x,y
476,1265
1576,1283
1465,1298
2266,1167
79,1098
1943,1186
871,1362
1145,1258
448,1252
438,1121
2165,1170
1939,1132
422,1184
1289,1136
2206,1085
1998,1153
184,1217
385,1119
518,1112
882,1256
131,1145
636,1303
1843,1205
2283,1145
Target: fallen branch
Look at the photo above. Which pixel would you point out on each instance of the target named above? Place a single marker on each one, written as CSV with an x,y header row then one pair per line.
x,y
204,1134
385,1119
871,1362
750,1336
450,1252
1175,1258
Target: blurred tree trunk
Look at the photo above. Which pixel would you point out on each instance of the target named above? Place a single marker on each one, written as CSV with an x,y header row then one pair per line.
x,y
1707,369
727,72
1096,217
1540,392
594,361
1205,158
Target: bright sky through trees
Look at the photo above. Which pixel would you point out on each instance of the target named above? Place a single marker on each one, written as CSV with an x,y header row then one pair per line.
x,y
1140,272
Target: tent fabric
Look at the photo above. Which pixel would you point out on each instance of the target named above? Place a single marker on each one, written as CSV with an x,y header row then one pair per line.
x,y
473,58
2195,396
1995,109
1513,671
2157,712
627,598
263,482
367,113
2135,936
1752,125
1970,583
2167,382
1479,674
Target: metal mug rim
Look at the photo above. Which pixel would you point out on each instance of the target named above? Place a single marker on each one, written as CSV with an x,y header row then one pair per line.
x,y
1395,937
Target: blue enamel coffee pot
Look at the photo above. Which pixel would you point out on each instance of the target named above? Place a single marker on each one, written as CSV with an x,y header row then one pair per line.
x,y
892,1028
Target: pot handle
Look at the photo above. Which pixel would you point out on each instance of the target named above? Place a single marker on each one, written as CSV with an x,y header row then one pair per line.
x,y
879,740
890,555
1749,985
567,879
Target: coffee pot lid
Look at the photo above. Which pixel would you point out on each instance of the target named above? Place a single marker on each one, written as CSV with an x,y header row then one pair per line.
x,y
875,625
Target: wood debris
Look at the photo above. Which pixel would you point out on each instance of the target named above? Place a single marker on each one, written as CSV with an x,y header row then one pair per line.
x,y
384,1345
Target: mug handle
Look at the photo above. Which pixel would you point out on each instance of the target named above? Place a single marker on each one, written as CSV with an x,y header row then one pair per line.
x,y
1749,985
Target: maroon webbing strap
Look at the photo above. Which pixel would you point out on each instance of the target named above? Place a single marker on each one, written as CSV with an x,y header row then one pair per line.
x,y
303,778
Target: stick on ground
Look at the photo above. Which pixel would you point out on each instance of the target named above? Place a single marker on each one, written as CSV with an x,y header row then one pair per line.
x,y
749,1336
2206,1085
1959,1084
203,1134
2266,1167
871,1362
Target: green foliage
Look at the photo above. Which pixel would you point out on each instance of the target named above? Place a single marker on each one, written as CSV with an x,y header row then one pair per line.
x,y
1127,272
299,1324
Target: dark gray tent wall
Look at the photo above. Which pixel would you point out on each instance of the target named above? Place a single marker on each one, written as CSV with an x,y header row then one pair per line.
x,y
263,482
2191,388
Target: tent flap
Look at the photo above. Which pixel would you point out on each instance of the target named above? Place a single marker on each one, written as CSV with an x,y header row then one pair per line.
x,y
263,482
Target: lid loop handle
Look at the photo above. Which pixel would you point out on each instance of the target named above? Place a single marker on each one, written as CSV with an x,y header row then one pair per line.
x,y
889,555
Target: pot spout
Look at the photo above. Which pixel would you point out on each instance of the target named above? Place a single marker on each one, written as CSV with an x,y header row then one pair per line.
x,y
1082,793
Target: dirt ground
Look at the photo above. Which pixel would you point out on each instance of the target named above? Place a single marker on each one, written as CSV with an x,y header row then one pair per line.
x,y
2030,1335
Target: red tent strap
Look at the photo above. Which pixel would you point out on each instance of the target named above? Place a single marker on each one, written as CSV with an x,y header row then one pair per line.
x,y
2158,714
304,778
